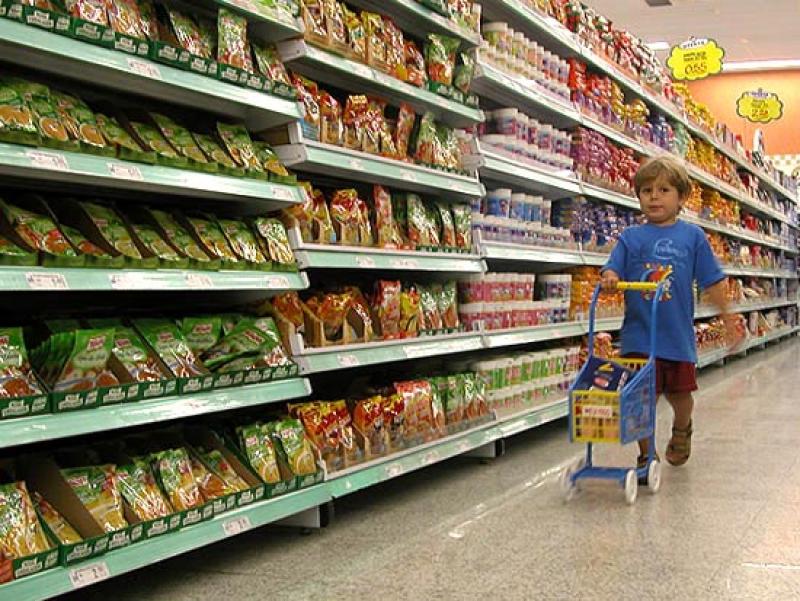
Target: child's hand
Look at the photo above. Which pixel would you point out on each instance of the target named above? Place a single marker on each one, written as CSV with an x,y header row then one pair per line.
x,y
609,281
733,335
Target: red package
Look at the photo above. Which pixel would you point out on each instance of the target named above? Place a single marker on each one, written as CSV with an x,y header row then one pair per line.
x,y
405,126
415,64
417,396
290,307
308,92
331,128
395,47
387,306
355,111
365,237
345,216
394,420
386,227
368,419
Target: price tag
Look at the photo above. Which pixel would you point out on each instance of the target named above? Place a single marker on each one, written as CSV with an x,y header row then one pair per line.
x,y
145,68
281,193
463,446
236,525
695,59
404,264
599,411
127,281
385,79
89,574
348,360
363,71
48,160
365,262
199,280
759,106
46,281
356,164
394,470
277,281
408,176
123,171
430,458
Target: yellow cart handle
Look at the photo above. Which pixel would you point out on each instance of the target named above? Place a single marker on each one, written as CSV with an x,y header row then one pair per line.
x,y
642,286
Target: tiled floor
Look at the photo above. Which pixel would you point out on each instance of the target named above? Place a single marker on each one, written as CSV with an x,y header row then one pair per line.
x,y
726,526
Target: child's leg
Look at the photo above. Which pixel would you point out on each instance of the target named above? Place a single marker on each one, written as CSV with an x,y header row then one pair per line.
x,y
682,405
679,448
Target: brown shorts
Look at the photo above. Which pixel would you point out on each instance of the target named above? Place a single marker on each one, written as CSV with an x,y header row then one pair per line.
x,y
673,376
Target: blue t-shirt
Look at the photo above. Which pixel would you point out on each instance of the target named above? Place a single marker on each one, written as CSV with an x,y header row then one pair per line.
x,y
643,253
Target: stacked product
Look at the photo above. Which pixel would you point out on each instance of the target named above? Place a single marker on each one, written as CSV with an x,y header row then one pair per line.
x,y
594,226
584,282
601,162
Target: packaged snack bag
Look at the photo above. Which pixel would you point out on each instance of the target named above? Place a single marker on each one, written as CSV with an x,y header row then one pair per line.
x,y
395,50
368,419
37,98
116,137
334,22
299,455
446,226
394,418
375,41
269,63
354,119
139,488
21,533
173,471
426,147
462,221
151,139
233,48
471,397
112,229
134,356
86,365
422,229
17,123
345,216
253,343
342,425
178,236
387,307
331,309
180,138
187,33
365,237
409,312
454,399
448,305
242,241
448,149
323,224
270,162
388,134
214,152
211,238
16,377
257,446
355,33
210,484
94,11
96,487
64,532
13,254
317,419
289,306
201,333
80,121
462,79
438,414
149,24
239,145
331,126
215,460
416,74
170,345
308,92
431,317
385,226
208,36
155,243
39,232
275,240
373,126
440,57
125,18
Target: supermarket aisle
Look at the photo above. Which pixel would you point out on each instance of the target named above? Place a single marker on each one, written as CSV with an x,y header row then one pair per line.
x,y
724,527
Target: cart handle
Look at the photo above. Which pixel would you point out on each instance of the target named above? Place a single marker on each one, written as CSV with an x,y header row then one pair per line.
x,y
641,286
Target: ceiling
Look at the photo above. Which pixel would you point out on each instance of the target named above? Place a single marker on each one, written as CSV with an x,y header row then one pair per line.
x,y
746,29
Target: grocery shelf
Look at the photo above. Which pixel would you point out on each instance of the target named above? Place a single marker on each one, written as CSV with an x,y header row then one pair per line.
x,y
322,256
344,356
57,581
497,167
34,165
263,22
53,426
336,161
17,279
532,418
417,20
508,251
86,63
322,65
611,196
513,336
704,312
717,355
758,272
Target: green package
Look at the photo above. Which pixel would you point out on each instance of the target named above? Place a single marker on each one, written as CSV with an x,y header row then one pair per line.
x,y
180,138
448,304
10,253
131,351
276,241
462,79
257,339
155,243
86,367
38,231
229,321
214,151
233,48
188,34
270,161
440,58
270,64
216,461
170,345
137,485
80,121
112,229
83,244
291,436
242,241
17,123
173,471
201,333
239,145
119,138
447,229
48,120
149,24
208,36
257,446
179,237
96,487
152,140
462,220
16,377
455,406
212,238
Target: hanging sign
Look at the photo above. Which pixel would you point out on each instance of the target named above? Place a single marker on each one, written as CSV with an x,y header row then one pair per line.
x,y
759,106
695,59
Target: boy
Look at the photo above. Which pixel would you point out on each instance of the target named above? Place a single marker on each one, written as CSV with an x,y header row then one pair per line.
x,y
644,253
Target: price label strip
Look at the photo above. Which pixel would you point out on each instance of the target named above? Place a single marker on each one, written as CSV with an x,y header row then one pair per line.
x,y
199,280
365,262
145,68
123,171
236,525
46,281
48,160
348,360
89,574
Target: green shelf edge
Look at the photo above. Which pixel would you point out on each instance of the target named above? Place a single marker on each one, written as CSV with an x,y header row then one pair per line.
x,y
53,426
278,28
368,258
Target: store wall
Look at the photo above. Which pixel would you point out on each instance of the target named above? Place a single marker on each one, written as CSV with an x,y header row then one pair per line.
x,y
720,93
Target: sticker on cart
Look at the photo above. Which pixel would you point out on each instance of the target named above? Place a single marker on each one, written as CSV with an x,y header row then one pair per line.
x,y
281,193
145,68
356,164
365,262
199,280
597,411
277,282
348,360
89,574
394,470
46,281
47,160
236,525
123,171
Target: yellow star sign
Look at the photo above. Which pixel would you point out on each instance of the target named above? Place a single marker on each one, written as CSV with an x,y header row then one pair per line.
x,y
695,59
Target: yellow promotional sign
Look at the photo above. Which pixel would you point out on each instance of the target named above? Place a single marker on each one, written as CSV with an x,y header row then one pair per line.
x,y
695,59
759,106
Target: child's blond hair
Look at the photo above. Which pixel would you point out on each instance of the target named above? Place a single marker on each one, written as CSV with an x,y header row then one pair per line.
x,y
670,168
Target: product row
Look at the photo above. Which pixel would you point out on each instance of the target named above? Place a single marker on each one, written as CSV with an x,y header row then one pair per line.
x,y
79,233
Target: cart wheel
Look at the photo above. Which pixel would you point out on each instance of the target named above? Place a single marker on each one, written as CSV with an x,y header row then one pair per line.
x,y
631,487
654,476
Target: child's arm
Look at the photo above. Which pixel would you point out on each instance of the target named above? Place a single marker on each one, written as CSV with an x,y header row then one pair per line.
x,y
717,294
609,274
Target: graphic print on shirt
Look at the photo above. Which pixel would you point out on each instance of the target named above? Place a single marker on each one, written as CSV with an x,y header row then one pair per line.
x,y
668,258
655,272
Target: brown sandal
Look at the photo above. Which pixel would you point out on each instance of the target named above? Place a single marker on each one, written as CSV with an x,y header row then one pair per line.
x,y
679,448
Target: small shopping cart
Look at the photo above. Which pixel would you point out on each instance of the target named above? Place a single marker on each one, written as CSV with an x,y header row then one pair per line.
x,y
614,401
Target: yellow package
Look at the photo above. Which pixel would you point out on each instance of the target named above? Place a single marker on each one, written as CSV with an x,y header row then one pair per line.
x,y
21,533
96,487
65,533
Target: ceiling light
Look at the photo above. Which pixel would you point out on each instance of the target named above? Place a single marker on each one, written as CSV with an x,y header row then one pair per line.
x,y
770,65
658,46
658,2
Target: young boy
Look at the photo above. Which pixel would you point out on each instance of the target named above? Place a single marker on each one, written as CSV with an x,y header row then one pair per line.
x,y
645,253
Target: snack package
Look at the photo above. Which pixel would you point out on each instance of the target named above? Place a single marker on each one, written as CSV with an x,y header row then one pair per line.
x,y
125,18
269,63
149,24
211,238
62,529
394,418
314,17
471,397
417,398
462,78
94,11
39,232
387,307
354,119
83,244
43,108
334,23
271,163
214,152
253,343
289,306
462,221
440,57
409,312
331,309
438,414
355,33
331,126
208,36
131,352
416,74
405,127
323,224
373,126
446,226
345,216
180,138
242,241
422,229
276,241
210,484
116,137
308,93
426,147
215,460
170,345
388,233
188,34
233,48
179,237
80,121
201,333
21,533
292,438
375,41
239,145
395,49
454,398
368,419
112,229
430,317
155,243
388,133
12,254
259,450
96,487
173,471
17,123
448,305
151,139
78,360
16,378
137,484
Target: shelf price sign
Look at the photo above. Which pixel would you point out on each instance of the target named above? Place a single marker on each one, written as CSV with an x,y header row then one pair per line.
x,y
695,59
759,106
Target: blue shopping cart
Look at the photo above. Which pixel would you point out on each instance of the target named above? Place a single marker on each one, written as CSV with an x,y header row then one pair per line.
x,y
614,401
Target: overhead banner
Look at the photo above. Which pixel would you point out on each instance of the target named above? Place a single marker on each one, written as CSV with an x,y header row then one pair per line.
x,y
759,106
695,59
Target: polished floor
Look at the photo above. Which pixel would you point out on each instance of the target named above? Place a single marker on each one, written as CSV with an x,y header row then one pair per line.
x,y
726,526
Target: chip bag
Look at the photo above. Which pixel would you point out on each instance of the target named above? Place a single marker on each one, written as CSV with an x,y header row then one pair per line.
x,y
188,34
440,57
37,98
233,48
21,533
409,312
96,487
416,74
308,92
170,345
405,127
375,40
448,305
39,232
275,240
462,78
125,18
355,33
447,228
239,145
427,143
112,229
388,233
215,460
16,377
331,126
201,333
290,435
334,22
345,215
422,229
256,443
94,11
138,487
431,317
242,241
60,527
368,419
180,138
173,471
289,306
179,237
210,237
269,63
210,484
387,307
462,222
